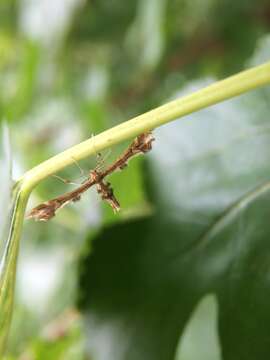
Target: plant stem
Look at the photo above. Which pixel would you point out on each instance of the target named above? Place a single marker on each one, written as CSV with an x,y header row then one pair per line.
x,y
217,92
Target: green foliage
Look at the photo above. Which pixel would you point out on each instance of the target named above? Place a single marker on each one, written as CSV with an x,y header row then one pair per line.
x,y
194,217
208,234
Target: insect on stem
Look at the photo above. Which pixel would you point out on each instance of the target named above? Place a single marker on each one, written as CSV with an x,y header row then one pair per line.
x,y
140,145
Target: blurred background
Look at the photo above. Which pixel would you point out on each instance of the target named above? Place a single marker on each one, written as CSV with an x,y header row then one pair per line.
x,y
73,68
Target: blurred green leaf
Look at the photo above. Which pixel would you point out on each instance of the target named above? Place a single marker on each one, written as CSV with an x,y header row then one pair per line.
x,y
60,339
67,346
102,20
145,38
209,182
21,101
129,190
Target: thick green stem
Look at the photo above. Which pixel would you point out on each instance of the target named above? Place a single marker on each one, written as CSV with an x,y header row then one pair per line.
x,y
219,91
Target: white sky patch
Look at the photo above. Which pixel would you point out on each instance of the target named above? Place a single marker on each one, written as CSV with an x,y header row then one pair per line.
x,y
38,277
95,83
46,20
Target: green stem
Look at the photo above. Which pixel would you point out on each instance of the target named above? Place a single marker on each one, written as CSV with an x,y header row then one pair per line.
x,y
217,92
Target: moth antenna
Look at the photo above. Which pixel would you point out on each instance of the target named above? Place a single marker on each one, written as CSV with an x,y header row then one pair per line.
x,y
65,181
79,167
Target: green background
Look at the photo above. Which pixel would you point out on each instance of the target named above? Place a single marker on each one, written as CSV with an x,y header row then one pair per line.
x,y
182,272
